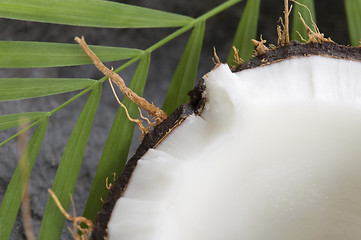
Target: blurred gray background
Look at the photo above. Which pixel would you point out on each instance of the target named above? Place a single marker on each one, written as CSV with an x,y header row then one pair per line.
x,y
219,33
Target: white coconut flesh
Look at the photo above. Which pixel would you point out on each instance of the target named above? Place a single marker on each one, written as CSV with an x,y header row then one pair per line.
x,y
275,154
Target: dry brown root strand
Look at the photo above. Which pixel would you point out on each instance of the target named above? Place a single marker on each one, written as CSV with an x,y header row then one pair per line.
x,y
150,108
299,34
84,235
237,59
260,47
286,26
279,34
141,127
316,35
281,41
215,60
76,220
109,185
272,46
313,35
151,124
283,32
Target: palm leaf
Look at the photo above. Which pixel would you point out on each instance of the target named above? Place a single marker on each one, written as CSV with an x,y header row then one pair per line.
x,y
306,13
353,13
23,88
116,149
91,13
246,30
14,194
68,170
13,120
18,54
185,74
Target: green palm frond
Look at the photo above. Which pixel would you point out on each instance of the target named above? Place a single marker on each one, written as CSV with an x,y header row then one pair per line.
x,y
185,74
14,120
90,13
106,14
19,54
68,170
246,30
21,88
353,13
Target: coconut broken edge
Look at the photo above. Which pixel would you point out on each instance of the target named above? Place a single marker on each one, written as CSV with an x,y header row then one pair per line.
x,y
197,99
151,140
296,49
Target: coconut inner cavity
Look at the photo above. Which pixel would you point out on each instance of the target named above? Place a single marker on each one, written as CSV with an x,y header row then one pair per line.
x,y
275,155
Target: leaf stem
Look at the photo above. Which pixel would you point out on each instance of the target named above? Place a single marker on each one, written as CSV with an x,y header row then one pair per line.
x,y
218,9
190,25
24,129
74,98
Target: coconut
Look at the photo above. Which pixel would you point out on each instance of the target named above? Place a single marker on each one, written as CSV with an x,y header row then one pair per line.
x,y
274,154
268,149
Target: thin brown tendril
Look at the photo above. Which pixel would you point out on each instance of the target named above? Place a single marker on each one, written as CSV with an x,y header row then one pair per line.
x,y
144,104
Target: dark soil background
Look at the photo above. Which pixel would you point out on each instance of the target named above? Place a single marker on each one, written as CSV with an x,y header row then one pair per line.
x,y
219,33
